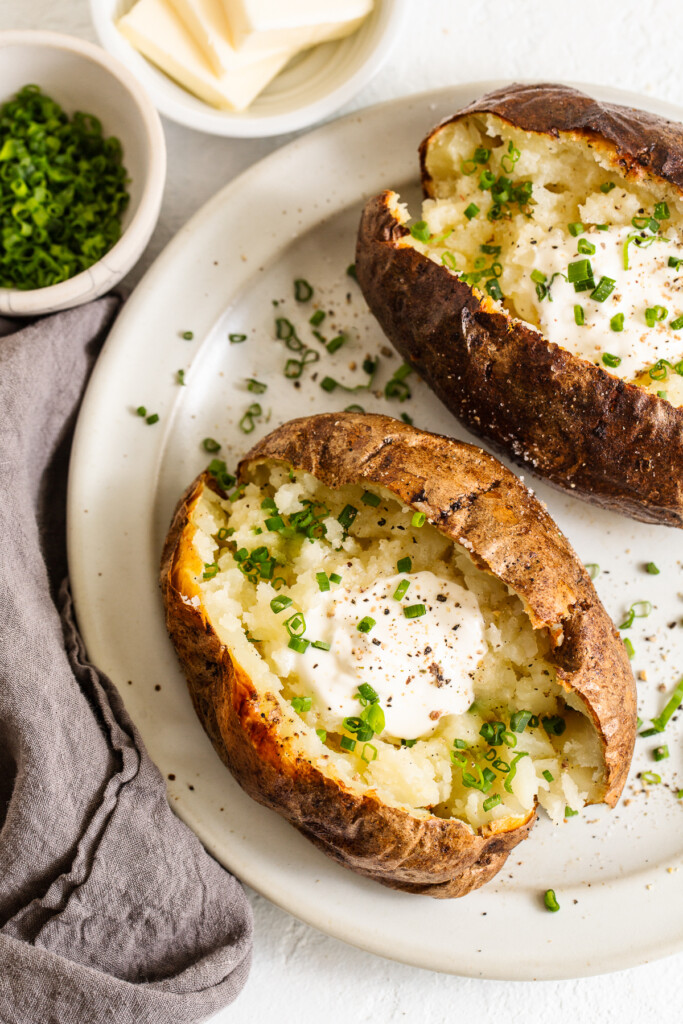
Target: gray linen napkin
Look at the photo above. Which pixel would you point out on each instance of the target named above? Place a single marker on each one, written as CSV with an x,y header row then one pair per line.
x,y
110,909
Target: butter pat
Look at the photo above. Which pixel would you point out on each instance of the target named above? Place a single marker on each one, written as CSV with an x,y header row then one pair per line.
x,y
156,31
262,24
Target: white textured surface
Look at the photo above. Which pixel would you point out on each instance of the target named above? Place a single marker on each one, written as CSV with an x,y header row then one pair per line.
x,y
300,975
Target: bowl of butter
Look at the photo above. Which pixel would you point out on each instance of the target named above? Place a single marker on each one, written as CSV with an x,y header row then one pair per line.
x,y
249,68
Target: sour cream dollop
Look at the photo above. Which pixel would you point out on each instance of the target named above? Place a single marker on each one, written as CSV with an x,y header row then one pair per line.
x,y
648,282
421,668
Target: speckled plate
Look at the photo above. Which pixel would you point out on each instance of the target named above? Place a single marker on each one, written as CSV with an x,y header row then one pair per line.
x,y
293,215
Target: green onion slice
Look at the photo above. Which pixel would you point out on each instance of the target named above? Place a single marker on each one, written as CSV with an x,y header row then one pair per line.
x,y
414,611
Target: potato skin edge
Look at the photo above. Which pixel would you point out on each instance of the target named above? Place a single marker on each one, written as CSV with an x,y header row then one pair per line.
x,y
440,858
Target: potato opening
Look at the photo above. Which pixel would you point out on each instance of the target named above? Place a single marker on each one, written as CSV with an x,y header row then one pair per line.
x,y
553,232
399,666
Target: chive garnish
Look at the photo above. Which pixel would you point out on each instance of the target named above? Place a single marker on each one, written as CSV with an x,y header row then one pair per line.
x,y
180,377
576,228
579,318
554,725
579,270
569,813
491,802
335,577
366,757
638,610
209,444
548,776
585,247
296,624
676,324
604,289
219,471
303,291
366,624
323,581
368,498
519,720
321,734
471,211
418,520
279,603
317,318
616,324
513,770
321,645
346,743
247,424
154,418
141,410
235,339
550,900
210,570
448,260
298,644
661,753
256,386
420,231
611,360
401,590
630,650
301,703
662,211
651,778
414,611
672,705
336,343
347,516
607,186
188,335
654,314
351,271
652,569
396,387
593,569
404,564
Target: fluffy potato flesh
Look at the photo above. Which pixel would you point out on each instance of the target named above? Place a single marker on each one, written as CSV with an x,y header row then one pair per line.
x,y
511,211
524,739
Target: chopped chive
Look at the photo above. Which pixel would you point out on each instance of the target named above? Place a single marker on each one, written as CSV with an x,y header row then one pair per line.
x,y
279,603
494,289
223,533
607,186
298,644
630,650
247,424
321,734
579,318
604,289
602,227
141,410
519,720
336,343
460,744
321,645
538,276
301,703
652,569
368,498
274,524
346,743
302,290
418,520
401,590
575,228
471,211
188,335
569,813
323,581
676,262
154,418
317,318
654,314
672,705
491,802
366,624
617,324
296,625
579,271
328,384
676,324
347,516
448,260
255,386
235,339
593,569
404,564
513,770
554,725
481,155
662,211
180,377
407,419
585,247
210,570
421,231
354,408
335,577
651,778
209,444
550,900
548,776
414,611
609,359
351,271
661,753
366,757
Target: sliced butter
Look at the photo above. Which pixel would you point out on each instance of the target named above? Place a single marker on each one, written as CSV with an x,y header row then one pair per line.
x,y
262,24
157,32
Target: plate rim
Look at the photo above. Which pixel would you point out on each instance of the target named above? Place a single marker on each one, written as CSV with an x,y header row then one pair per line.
x,y
77,491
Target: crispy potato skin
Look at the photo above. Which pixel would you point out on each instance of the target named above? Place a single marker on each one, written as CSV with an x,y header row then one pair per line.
x,y
476,502
565,419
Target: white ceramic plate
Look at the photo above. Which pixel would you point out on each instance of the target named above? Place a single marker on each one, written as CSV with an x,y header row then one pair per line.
x,y
295,215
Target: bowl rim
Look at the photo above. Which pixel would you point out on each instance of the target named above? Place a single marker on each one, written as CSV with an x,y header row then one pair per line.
x,y
66,294
225,123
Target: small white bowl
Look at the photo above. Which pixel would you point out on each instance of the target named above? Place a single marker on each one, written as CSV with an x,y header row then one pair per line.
x,y
311,87
80,76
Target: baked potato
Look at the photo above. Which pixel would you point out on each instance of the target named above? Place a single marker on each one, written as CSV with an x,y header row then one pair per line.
x,y
391,644
541,294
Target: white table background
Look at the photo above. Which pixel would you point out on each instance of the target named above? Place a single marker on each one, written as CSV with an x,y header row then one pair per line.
x,y
300,976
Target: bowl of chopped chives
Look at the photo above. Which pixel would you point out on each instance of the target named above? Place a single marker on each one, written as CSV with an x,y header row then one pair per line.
x,y
82,172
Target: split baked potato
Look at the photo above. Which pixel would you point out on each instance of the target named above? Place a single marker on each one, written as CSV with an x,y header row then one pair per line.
x,y
540,295
391,644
